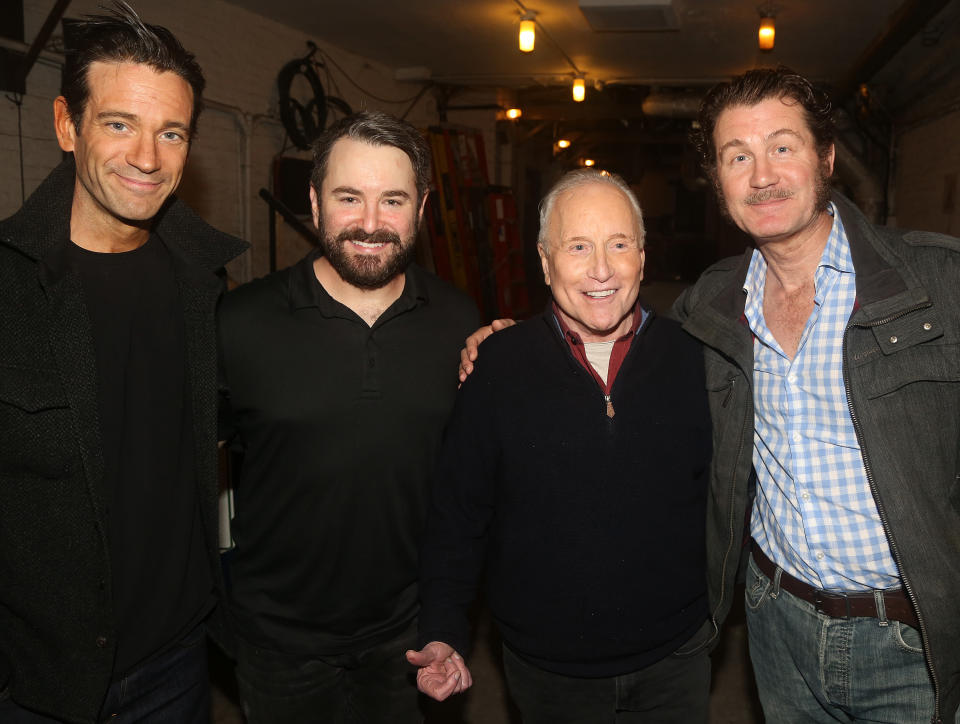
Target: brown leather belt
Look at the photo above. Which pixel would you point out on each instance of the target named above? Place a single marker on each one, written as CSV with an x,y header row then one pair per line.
x,y
840,605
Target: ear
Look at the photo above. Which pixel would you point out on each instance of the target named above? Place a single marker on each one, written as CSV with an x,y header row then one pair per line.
x,y
545,263
828,160
643,261
63,125
315,207
423,205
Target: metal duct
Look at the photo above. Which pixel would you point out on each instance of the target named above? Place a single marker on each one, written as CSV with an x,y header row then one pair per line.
x,y
672,105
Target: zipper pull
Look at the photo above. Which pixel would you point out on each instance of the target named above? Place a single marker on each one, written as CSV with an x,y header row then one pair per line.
x,y
610,412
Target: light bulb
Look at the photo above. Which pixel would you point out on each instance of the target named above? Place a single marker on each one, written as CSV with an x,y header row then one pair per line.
x,y
766,34
579,89
528,34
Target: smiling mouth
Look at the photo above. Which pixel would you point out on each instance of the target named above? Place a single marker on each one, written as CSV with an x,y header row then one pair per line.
x,y
140,184
601,294
368,244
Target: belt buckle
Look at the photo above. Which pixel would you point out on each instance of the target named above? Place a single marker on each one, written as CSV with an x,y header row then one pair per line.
x,y
820,597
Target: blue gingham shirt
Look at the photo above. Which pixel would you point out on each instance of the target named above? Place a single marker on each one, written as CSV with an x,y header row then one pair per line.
x,y
814,513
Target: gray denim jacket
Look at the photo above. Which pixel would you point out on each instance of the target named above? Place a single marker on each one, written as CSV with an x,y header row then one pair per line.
x,y
902,374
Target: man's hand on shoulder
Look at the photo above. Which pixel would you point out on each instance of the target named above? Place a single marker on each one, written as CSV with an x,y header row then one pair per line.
x,y
468,355
442,671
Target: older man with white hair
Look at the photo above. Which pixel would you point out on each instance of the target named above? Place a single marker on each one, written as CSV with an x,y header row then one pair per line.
x,y
562,474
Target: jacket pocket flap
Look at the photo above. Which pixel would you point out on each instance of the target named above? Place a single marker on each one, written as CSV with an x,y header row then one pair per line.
x,y
915,328
31,390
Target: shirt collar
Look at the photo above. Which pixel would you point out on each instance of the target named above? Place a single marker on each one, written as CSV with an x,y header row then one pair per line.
x,y
836,255
306,290
639,317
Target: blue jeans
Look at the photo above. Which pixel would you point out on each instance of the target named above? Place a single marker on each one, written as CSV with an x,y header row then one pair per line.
x,y
674,690
375,685
173,688
813,668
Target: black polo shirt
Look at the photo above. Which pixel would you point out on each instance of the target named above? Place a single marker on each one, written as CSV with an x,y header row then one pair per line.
x,y
339,424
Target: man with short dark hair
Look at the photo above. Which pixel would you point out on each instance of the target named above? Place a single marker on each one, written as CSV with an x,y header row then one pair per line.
x,y
834,346
108,525
337,384
575,476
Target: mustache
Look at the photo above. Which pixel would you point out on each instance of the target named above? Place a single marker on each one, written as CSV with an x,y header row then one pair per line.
x,y
759,197
380,236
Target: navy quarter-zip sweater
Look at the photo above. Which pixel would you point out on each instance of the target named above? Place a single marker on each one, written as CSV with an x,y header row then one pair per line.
x,y
590,528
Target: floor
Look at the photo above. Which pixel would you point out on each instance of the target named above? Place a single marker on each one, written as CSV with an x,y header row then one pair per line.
x,y
732,697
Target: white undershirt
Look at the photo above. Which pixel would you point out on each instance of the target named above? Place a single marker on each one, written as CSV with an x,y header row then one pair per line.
x,y
598,355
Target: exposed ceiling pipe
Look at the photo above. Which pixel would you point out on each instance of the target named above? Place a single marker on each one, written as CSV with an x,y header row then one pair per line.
x,y
49,25
672,104
905,23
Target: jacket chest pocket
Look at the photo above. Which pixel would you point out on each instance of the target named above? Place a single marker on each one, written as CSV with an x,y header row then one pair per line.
x,y
37,427
915,348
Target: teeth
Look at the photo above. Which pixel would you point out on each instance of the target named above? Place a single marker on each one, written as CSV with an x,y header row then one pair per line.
x,y
599,295
368,244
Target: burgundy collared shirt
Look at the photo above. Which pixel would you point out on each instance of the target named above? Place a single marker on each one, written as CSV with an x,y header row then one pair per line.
x,y
620,348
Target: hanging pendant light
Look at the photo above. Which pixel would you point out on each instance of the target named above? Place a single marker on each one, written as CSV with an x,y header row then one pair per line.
x,y
766,33
579,88
528,32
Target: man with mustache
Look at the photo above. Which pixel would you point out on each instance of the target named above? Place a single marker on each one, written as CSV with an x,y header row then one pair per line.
x,y
833,368
109,561
337,381
834,347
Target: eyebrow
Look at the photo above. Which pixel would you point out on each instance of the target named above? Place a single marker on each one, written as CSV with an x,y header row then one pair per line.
x,y
124,115
736,142
392,193
618,235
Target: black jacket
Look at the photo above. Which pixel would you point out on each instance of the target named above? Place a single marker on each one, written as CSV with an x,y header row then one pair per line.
x,y
57,637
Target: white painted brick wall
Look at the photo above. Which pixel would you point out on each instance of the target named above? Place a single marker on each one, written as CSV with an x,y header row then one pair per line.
x,y
241,54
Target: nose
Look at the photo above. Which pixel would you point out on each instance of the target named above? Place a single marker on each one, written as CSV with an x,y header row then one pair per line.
x,y
143,154
764,173
599,265
371,217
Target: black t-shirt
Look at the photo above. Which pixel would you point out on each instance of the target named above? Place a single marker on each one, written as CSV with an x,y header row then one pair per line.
x,y
159,570
340,424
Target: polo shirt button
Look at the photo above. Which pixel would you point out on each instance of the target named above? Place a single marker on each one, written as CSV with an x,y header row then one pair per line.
x,y
101,642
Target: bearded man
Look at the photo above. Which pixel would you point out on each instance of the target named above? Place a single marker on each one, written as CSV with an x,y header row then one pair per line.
x,y
337,381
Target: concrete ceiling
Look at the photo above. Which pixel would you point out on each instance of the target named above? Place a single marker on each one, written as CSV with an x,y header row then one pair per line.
x,y
643,87
474,42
